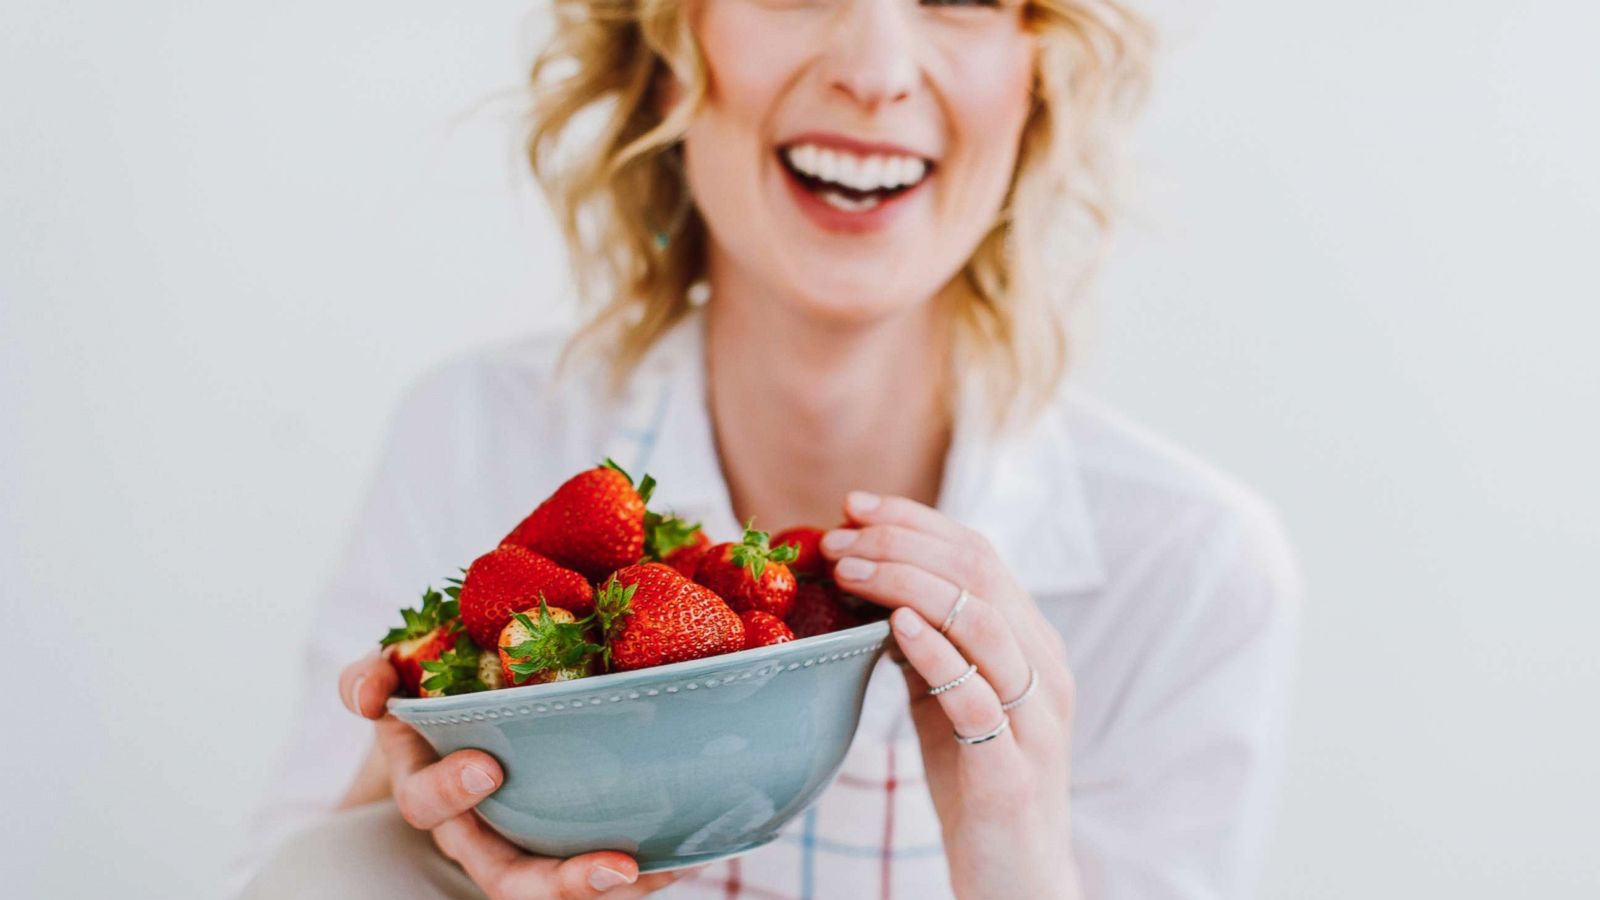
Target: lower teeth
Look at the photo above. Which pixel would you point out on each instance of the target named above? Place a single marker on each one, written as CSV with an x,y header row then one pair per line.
x,y
840,201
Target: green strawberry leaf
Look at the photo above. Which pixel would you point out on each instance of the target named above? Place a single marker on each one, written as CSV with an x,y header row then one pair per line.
x,y
456,669
435,612
666,533
647,485
549,644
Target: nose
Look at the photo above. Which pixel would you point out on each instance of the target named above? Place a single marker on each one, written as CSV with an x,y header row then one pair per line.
x,y
871,55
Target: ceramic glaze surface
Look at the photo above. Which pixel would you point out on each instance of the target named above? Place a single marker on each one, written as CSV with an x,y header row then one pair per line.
x,y
676,765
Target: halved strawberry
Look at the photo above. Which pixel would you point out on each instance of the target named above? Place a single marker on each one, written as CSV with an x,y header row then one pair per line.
x,y
651,615
750,574
541,645
763,629
511,578
427,633
593,523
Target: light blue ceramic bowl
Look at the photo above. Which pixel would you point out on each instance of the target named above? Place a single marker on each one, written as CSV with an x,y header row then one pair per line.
x,y
676,765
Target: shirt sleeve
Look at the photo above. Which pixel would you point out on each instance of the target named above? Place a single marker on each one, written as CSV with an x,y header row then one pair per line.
x,y
1174,801
403,538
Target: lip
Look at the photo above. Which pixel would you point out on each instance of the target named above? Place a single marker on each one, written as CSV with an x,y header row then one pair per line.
x,y
853,145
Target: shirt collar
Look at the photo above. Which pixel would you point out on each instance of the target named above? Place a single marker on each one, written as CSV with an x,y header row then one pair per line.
x,y
1022,488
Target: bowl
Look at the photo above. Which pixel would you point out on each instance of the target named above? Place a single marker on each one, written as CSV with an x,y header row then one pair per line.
x,y
676,765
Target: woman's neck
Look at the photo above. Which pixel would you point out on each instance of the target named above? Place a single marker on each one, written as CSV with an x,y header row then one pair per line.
x,y
805,410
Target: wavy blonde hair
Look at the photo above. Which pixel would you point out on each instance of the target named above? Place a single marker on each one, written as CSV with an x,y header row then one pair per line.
x,y
637,245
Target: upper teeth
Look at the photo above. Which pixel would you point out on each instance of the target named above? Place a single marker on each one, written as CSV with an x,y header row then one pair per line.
x,y
863,173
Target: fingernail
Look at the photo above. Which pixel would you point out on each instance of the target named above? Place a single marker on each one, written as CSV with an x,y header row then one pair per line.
x,y
838,540
355,695
604,879
861,501
907,623
476,780
853,568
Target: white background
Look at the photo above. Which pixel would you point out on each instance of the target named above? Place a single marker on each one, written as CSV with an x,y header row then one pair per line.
x,y
1360,276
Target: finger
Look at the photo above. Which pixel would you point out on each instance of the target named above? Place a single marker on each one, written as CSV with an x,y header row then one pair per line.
x,y
863,508
963,562
366,684
440,791
404,750
503,870
971,706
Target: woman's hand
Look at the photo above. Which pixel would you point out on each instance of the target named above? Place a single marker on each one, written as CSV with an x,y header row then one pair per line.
x,y
438,795
1002,803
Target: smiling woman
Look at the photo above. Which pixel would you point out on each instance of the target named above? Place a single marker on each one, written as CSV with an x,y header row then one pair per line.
x,y
1011,110
1093,627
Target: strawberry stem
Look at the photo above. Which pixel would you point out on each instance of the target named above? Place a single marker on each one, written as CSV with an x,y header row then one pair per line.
x,y
666,533
456,670
435,611
753,553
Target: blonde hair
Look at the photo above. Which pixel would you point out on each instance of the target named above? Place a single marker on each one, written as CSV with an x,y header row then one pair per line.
x,y
637,244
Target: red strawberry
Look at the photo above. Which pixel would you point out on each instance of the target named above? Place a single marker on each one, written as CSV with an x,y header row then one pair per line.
x,y
594,523
651,615
675,542
809,563
818,609
511,578
762,629
427,633
541,645
749,574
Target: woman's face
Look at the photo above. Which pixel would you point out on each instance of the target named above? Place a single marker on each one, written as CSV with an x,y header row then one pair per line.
x,y
851,153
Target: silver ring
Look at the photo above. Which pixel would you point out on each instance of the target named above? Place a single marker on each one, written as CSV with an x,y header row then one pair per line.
x,y
1002,728
1033,682
953,683
955,610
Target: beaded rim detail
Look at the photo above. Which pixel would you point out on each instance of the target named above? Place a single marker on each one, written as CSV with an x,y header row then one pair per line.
x,y
766,669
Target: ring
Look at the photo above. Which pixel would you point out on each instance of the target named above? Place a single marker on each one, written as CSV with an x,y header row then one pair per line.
x,y
1033,682
954,683
955,610
1005,725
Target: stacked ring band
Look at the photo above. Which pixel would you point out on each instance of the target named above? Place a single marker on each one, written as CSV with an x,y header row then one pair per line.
x,y
1033,682
1005,724
953,683
955,610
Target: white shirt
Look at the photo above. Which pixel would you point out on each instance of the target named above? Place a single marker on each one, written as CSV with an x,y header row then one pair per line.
x,y
1174,588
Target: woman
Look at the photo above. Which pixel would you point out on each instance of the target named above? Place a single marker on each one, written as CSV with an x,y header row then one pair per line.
x,y
859,193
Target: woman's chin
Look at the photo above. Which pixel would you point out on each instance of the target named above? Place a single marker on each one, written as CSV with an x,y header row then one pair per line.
x,y
832,295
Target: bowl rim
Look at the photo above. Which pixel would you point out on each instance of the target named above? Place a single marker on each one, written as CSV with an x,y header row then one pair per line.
x,y
822,643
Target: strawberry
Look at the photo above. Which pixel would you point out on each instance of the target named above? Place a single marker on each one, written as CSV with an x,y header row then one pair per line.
x,y
819,608
427,633
762,629
552,647
750,574
809,563
593,523
456,671
489,670
675,542
511,578
651,615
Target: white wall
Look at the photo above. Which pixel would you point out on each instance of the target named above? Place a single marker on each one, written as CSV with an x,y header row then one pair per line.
x,y
1360,276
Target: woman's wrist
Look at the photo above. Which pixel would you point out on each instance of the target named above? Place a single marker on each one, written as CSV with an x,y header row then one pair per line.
x,y
1010,862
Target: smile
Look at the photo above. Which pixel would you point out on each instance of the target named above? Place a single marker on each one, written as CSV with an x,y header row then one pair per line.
x,y
851,182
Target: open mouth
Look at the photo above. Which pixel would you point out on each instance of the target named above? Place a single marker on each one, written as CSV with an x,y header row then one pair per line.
x,y
850,182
